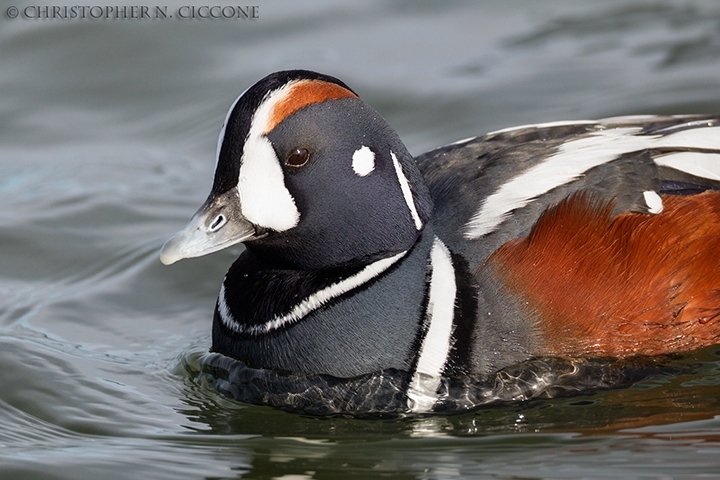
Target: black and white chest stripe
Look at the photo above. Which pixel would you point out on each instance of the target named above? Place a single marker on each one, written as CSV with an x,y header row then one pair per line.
x,y
308,304
435,330
691,147
363,163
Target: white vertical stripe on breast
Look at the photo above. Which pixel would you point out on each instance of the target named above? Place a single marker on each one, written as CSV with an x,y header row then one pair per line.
x,y
407,193
422,392
574,158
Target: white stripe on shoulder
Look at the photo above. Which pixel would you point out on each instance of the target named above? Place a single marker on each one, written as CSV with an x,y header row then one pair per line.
x,y
407,193
575,157
320,298
422,392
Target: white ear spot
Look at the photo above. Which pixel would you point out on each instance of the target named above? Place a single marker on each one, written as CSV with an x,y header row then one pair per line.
x,y
654,202
363,161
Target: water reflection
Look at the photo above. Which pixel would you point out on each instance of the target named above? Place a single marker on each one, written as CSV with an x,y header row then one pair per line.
x,y
260,442
684,391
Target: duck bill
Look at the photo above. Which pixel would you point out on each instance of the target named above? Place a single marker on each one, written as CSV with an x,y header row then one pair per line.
x,y
218,224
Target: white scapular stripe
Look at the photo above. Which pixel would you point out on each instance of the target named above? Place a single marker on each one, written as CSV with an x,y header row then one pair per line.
x,y
464,140
705,165
363,161
264,198
314,301
407,193
561,123
653,201
422,392
574,158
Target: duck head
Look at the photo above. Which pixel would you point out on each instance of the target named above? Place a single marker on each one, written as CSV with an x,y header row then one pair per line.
x,y
308,176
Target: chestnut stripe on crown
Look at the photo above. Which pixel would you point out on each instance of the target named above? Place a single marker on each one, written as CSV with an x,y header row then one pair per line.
x,y
302,94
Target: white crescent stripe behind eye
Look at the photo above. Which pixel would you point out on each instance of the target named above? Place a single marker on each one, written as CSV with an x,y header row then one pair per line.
x,y
407,193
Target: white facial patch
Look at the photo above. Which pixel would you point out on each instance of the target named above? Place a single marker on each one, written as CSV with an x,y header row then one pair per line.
x,y
264,198
407,193
363,161
575,157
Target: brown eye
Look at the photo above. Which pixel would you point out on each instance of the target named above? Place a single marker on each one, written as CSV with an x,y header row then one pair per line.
x,y
298,157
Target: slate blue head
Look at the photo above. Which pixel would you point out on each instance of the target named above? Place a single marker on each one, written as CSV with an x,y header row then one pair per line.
x,y
307,176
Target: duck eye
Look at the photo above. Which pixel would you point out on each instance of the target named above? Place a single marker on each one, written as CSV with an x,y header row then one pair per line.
x,y
298,157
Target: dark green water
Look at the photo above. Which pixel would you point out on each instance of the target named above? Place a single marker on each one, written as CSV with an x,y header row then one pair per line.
x,y
107,137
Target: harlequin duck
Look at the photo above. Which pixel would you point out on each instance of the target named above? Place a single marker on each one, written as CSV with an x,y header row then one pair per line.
x,y
567,239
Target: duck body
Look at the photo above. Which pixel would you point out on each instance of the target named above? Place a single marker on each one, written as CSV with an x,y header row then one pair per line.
x,y
573,239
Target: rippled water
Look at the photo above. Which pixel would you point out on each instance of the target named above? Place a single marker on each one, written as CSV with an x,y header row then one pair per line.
x,y
107,137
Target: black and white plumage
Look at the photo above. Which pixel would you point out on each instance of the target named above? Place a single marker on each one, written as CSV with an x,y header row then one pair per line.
x,y
360,258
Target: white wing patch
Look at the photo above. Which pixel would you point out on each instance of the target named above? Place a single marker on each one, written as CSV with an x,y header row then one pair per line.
x,y
264,198
363,161
422,392
407,193
575,157
653,201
